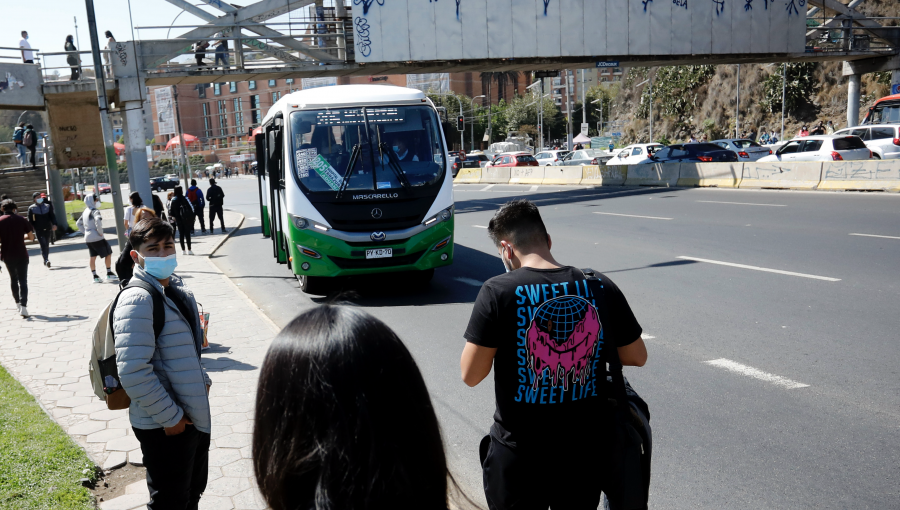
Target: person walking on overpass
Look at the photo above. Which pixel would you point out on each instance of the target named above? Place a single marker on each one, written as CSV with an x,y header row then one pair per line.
x,y
18,137
195,197
222,54
216,197
91,223
42,220
162,375
13,230
547,402
29,139
73,59
182,213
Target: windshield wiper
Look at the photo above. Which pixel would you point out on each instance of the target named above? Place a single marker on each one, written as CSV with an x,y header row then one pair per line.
x,y
394,163
354,155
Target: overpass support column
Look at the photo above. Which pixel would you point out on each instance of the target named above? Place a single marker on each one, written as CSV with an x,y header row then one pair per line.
x,y
136,150
853,100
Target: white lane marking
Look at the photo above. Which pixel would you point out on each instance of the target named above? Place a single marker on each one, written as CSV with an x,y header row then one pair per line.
x,y
479,226
740,203
648,337
765,269
738,368
876,235
489,186
633,216
252,218
469,281
533,188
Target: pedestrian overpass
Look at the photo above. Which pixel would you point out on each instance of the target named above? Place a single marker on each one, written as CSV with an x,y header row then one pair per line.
x,y
414,36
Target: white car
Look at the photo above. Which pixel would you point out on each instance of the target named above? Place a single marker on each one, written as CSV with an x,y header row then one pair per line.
x,y
549,158
746,150
821,148
635,153
882,139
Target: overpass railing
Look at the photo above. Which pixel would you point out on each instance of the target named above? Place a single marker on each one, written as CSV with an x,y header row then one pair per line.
x,y
856,39
56,68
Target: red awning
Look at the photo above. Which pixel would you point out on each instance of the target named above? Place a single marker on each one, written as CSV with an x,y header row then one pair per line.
x,y
176,140
120,148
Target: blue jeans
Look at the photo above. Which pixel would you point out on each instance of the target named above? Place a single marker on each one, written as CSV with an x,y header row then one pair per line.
x,y
23,158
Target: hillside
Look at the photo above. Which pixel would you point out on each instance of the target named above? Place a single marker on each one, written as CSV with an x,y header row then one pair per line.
x,y
701,99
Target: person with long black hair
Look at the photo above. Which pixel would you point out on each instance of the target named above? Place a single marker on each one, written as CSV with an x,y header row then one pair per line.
x,y
344,420
181,211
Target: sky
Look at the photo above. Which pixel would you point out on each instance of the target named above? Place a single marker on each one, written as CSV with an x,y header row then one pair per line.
x,y
48,22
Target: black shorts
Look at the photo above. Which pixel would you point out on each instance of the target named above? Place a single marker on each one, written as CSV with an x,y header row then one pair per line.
x,y
99,248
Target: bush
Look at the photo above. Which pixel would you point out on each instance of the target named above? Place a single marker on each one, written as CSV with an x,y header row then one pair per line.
x,y
801,84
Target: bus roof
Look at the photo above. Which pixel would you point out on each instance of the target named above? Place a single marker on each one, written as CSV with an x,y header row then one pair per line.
x,y
347,95
895,97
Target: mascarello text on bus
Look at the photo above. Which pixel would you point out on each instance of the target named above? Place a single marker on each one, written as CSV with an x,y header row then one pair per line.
x,y
353,180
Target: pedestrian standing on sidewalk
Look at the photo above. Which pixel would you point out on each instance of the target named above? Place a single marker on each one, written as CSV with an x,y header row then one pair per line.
x,y
42,220
125,264
195,197
216,196
136,203
158,208
163,376
328,430
539,327
13,230
21,150
169,196
91,223
182,213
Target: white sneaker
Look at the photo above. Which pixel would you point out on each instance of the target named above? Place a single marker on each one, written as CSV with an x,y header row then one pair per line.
x,y
184,252
18,308
23,311
190,252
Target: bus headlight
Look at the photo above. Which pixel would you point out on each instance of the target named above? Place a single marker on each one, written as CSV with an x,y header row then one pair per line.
x,y
439,217
300,223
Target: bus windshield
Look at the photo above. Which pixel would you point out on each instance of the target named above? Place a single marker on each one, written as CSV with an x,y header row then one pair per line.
x,y
387,147
884,113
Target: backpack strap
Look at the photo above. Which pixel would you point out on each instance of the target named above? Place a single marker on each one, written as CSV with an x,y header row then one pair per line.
x,y
612,354
159,306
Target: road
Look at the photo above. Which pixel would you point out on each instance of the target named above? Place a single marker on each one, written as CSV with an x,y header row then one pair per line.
x,y
796,311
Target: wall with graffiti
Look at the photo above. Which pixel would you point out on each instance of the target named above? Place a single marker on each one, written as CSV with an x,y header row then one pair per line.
x,y
403,30
20,87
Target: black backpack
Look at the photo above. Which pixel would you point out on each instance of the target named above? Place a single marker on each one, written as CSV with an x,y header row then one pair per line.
x,y
28,140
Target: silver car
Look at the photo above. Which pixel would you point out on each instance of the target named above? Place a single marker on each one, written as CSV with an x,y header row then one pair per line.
x,y
746,150
583,157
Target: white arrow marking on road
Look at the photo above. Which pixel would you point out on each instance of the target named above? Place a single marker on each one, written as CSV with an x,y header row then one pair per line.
x,y
765,269
533,188
468,281
740,203
875,235
633,216
736,367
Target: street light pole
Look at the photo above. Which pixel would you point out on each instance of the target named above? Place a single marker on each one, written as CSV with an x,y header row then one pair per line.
x,y
472,131
783,87
106,125
737,105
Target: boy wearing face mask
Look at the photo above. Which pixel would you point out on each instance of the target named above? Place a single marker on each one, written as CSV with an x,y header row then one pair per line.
x,y
42,219
163,376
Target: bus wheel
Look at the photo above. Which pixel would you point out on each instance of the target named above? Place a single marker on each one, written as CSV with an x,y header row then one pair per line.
x,y
312,284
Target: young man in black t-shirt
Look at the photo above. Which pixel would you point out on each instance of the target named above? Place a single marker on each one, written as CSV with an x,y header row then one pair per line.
x,y
546,330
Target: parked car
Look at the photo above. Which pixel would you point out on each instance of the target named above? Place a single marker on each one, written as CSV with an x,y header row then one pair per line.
x,y
162,183
475,160
692,153
549,158
583,157
104,188
514,159
883,139
746,150
635,153
821,148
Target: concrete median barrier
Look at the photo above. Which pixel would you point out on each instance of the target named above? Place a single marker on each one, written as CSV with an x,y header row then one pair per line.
x,y
468,176
656,174
495,175
562,175
527,174
719,175
604,175
782,175
871,175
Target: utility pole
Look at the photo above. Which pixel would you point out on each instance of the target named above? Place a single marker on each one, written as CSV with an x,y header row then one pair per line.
x,y
77,39
783,87
583,104
541,123
737,105
568,112
185,161
106,125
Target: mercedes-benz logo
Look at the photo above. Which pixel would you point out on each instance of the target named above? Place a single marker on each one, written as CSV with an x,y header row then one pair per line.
x,y
377,236
376,213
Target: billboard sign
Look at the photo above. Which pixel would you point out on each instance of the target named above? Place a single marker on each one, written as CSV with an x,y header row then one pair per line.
x,y
165,111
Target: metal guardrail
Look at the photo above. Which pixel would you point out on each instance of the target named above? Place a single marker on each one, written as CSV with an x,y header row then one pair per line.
x,y
856,39
55,66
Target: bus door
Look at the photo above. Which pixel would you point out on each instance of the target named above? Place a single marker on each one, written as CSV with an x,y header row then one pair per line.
x,y
275,175
260,139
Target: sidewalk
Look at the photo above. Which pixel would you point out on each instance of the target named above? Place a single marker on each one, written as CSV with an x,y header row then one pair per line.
x,y
48,353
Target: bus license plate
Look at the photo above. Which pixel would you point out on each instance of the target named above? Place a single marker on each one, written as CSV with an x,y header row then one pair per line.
x,y
380,253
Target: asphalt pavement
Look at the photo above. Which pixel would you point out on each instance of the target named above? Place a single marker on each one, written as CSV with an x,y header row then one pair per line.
x,y
770,319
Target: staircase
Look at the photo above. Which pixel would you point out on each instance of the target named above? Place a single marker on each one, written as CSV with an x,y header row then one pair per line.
x,y
20,185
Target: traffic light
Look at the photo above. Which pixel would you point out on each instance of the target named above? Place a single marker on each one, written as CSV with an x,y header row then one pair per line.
x,y
460,123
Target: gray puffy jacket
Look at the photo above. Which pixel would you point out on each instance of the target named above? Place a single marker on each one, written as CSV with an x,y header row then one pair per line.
x,y
163,377
91,222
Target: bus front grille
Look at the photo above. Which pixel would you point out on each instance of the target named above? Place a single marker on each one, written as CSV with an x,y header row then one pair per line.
x,y
345,263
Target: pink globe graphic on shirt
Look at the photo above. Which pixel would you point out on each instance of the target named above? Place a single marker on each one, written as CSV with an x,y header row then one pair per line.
x,y
562,337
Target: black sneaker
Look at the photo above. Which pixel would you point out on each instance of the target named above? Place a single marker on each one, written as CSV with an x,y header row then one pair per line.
x,y
47,263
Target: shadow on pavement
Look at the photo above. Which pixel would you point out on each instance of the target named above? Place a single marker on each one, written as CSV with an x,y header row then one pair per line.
x,y
226,364
59,318
671,263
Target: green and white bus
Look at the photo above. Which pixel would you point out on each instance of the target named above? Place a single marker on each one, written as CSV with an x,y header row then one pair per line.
x,y
353,180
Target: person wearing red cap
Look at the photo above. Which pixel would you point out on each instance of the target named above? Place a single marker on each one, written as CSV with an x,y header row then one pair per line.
x,y
42,219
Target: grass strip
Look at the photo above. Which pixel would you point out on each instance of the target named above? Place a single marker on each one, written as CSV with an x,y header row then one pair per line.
x,y
77,206
40,465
